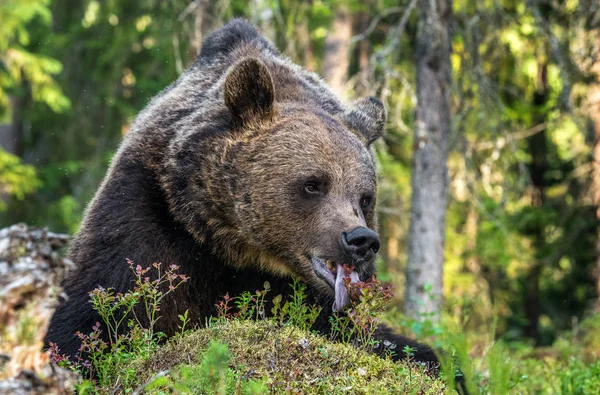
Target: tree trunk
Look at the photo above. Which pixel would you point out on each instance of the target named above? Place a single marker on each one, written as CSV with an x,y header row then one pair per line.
x,y
337,51
10,133
263,15
538,149
362,85
308,57
424,274
204,21
594,113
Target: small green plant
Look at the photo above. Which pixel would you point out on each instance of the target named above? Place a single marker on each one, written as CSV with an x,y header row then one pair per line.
x,y
342,328
214,365
297,312
245,306
409,351
249,305
151,293
211,376
184,321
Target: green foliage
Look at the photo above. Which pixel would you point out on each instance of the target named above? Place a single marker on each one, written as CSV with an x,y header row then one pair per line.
x,y
20,66
498,367
211,376
16,179
249,305
580,378
551,376
590,337
238,354
296,312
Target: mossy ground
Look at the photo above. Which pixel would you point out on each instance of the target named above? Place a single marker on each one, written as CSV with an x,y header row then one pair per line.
x,y
265,356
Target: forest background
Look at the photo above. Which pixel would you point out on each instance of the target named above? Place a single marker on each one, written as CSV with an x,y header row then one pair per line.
x,y
521,248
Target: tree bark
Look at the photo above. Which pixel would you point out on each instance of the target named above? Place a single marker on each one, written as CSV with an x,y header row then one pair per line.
x,y
263,15
204,21
337,51
594,114
308,57
424,275
362,86
10,133
538,149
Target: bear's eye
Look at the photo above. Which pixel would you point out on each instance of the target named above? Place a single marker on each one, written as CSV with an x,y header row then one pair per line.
x,y
365,202
312,188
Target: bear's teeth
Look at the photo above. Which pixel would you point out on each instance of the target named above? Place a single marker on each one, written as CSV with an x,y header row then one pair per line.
x,y
330,266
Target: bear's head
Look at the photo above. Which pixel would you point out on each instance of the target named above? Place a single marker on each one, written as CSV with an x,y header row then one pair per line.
x,y
294,188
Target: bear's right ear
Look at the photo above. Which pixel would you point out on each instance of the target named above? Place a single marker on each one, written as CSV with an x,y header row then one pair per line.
x,y
368,117
249,91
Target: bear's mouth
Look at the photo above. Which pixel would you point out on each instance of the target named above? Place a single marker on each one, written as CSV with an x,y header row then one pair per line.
x,y
334,274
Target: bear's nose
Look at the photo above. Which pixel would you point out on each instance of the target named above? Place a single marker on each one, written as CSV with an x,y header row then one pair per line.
x,y
361,243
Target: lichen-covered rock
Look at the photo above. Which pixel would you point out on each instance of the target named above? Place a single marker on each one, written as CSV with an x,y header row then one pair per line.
x,y
284,359
31,268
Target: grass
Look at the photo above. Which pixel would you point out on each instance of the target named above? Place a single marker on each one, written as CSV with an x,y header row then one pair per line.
x,y
492,366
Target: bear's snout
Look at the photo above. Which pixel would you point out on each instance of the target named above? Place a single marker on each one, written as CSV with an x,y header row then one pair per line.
x,y
361,244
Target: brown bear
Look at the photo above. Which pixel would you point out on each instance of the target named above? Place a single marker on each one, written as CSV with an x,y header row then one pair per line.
x,y
247,169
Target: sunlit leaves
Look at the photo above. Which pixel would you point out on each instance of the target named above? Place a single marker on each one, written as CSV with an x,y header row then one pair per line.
x,y
91,14
37,71
143,22
18,66
16,179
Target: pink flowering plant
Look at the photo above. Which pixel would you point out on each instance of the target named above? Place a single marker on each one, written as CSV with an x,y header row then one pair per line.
x,y
129,320
152,292
368,300
224,307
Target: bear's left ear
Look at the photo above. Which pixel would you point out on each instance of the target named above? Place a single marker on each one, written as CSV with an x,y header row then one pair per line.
x,y
368,116
248,90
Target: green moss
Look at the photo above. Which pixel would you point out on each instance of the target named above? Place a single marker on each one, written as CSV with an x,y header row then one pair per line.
x,y
284,359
